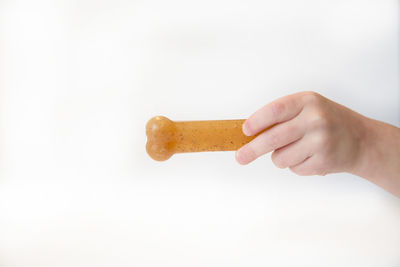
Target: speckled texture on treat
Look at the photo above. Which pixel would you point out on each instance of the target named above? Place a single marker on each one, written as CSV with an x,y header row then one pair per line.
x,y
166,137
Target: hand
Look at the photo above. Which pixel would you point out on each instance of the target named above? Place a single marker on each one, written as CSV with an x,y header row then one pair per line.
x,y
313,135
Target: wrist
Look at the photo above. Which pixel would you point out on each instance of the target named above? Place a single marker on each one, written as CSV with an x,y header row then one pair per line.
x,y
379,155
367,150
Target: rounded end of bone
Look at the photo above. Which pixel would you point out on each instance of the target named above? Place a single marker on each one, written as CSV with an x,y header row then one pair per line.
x,y
161,139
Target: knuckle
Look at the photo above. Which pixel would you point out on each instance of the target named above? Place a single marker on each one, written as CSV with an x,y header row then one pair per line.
x,y
277,108
319,119
312,97
274,138
322,140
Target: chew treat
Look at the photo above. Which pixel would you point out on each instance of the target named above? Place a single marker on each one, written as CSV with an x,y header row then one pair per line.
x,y
166,137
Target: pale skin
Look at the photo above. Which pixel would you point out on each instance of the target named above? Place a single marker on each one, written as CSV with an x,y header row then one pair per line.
x,y
312,135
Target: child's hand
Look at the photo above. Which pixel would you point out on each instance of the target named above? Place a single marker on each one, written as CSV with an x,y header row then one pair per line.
x,y
313,135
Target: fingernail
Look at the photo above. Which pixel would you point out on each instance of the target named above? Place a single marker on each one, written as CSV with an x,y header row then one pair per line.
x,y
245,129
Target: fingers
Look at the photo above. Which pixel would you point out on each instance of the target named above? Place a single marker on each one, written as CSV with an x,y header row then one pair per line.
x,y
310,166
274,138
280,110
292,154
303,131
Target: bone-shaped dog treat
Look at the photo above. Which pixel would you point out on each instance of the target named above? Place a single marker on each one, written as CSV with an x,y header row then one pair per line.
x,y
166,137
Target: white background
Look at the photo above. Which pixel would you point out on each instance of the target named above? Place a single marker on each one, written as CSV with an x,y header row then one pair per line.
x,y
80,79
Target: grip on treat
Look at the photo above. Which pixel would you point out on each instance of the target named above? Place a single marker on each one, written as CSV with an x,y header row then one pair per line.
x,y
166,137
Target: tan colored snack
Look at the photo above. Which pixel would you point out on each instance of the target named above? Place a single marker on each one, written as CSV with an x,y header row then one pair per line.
x,y
166,137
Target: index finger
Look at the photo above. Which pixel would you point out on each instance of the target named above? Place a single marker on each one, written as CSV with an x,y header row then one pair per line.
x,y
280,110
